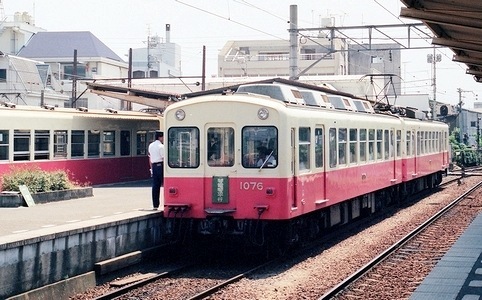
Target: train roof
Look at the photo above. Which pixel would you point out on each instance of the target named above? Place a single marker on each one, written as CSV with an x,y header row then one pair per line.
x,y
78,112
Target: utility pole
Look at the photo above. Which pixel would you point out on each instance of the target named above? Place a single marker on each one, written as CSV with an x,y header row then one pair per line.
x,y
434,59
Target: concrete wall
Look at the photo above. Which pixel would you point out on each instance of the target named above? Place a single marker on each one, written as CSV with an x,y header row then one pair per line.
x,y
35,262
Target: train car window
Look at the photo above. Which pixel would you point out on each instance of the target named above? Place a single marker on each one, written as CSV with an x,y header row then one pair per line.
x,y
60,143
259,146
77,145
363,145
379,143
342,144
220,146
332,145
93,143
41,144
183,147
21,145
399,143
108,142
125,143
371,144
419,142
386,144
353,145
409,143
141,145
4,147
319,147
304,147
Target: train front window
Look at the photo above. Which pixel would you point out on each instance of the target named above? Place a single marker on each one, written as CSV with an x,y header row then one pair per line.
x,y
220,146
183,147
260,146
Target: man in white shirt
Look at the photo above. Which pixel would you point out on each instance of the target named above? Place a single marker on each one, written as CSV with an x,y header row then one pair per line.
x,y
156,163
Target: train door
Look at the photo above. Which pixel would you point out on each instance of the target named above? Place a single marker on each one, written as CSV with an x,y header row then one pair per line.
x,y
218,169
293,166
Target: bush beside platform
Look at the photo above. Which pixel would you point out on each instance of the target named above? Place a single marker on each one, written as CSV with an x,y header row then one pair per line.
x,y
14,199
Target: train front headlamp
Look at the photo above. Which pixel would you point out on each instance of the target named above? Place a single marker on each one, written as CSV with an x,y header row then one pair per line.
x,y
263,113
180,114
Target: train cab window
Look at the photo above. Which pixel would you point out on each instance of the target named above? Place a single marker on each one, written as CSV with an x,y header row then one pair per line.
x,y
77,144
4,145
363,145
342,144
220,147
399,143
259,147
353,145
379,144
108,142
93,143
21,145
371,144
332,144
304,148
60,143
318,147
41,145
183,147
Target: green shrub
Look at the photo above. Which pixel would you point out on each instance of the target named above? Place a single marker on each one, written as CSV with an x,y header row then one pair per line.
x,y
36,180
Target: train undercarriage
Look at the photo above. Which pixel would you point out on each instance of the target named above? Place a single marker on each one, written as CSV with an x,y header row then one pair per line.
x,y
258,233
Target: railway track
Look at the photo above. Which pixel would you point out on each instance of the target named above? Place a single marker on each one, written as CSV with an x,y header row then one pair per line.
x,y
369,279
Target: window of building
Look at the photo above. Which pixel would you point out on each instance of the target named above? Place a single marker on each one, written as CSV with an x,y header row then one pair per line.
x,y
4,146
21,145
183,147
220,147
41,145
3,75
108,142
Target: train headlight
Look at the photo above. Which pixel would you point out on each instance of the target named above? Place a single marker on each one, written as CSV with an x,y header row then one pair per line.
x,y
180,114
263,113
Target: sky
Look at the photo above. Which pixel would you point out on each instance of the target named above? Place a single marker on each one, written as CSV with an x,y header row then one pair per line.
x,y
124,24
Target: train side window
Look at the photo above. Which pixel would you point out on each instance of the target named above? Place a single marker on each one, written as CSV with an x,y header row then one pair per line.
x,y
220,145
419,142
371,144
41,145
93,143
21,145
342,144
60,143
379,143
399,143
259,143
409,143
363,145
353,145
386,144
77,145
304,148
318,147
108,141
332,145
125,142
141,137
4,146
183,147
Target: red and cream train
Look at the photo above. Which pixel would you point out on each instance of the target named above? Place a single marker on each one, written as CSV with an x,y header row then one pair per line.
x,y
284,164
93,146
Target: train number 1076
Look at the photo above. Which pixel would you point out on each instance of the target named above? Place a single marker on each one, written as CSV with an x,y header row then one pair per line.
x,y
250,185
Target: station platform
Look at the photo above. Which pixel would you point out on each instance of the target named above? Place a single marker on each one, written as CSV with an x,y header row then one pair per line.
x,y
109,203
458,275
